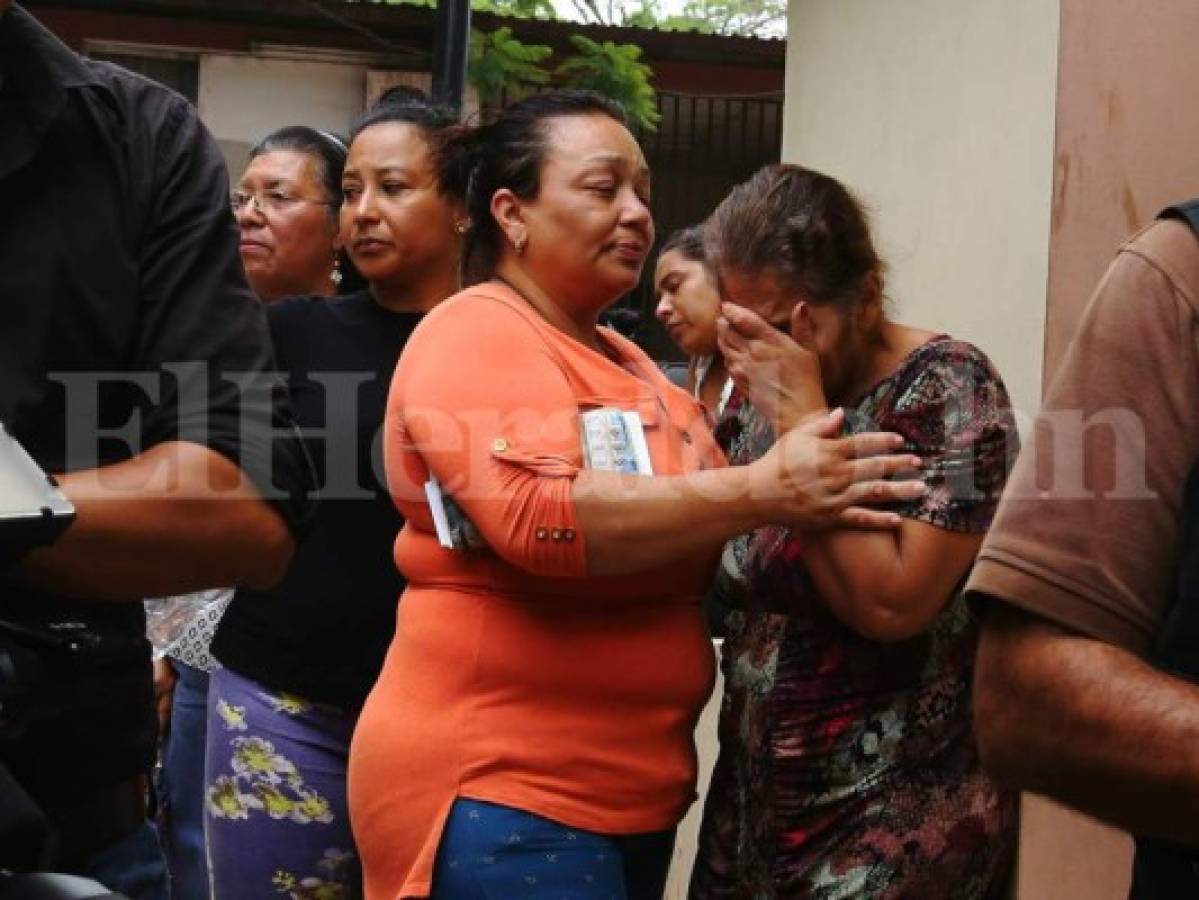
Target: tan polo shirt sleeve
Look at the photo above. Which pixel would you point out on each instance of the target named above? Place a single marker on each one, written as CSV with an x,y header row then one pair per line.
x,y
1085,535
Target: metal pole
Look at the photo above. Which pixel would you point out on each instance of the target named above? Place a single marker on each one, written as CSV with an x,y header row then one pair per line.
x,y
450,40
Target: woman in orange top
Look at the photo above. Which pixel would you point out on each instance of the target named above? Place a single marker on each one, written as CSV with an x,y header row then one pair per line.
x,y
531,732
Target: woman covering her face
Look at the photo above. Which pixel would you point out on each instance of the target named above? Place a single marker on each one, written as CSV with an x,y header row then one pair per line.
x,y
299,660
531,732
847,763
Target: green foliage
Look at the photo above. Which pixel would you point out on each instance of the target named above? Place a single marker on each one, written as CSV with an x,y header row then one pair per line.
x,y
747,18
521,9
430,3
498,62
616,71
684,23
644,16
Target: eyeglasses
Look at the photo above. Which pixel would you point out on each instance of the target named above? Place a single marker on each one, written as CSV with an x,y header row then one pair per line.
x,y
272,201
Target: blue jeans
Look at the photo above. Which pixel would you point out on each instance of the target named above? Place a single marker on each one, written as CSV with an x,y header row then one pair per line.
x,y
134,866
181,785
493,852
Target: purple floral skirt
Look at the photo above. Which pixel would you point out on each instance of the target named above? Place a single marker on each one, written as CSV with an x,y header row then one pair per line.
x,y
276,819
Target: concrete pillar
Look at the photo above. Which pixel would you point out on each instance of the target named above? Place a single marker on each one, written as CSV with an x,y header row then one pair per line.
x,y
1127,139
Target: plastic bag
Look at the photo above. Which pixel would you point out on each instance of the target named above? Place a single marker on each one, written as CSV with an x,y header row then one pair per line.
x,y
168,618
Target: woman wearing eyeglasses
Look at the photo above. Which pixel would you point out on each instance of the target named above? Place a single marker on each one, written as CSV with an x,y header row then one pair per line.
x,y
298,660
286,206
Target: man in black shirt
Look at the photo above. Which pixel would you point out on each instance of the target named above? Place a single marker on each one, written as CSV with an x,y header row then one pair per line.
x,y
127,341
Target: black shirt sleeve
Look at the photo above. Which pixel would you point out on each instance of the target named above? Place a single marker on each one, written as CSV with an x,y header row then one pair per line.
x,y
200,322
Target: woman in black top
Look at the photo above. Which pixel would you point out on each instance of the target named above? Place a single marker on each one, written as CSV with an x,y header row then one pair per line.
x,y
300,659
286,205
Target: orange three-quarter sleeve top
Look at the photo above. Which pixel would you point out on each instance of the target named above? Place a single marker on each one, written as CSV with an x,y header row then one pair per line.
x,y
515,677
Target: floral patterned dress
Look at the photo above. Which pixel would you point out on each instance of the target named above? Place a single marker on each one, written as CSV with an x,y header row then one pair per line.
x,y
848,767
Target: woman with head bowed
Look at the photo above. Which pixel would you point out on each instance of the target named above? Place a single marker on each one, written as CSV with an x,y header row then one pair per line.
x,y
688,307
531,732
847,764
299,659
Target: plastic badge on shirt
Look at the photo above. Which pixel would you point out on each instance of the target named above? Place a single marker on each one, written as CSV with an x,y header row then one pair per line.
x,y
614,441
454,530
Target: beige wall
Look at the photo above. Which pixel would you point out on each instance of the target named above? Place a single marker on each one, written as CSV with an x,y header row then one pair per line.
x,y
243,98
940,113
1128,138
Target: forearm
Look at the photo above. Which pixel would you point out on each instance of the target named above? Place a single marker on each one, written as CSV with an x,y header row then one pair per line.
x,y
633,523
1088,724
889,586
857,574
176,518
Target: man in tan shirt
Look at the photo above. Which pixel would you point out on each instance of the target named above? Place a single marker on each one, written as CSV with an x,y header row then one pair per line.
x,y
1081,562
